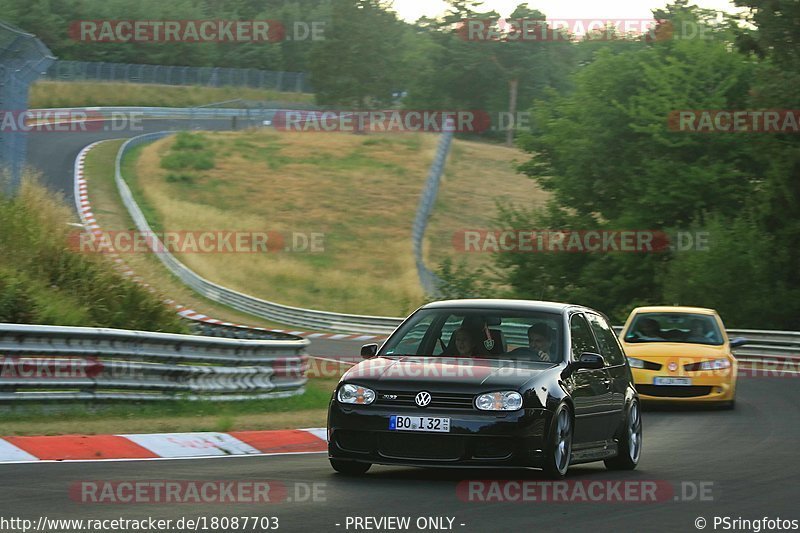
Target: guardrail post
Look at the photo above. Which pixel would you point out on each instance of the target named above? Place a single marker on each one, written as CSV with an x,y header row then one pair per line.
x,y
23,60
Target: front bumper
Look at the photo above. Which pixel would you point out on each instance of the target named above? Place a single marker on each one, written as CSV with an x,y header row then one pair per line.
x,y
510,439
706,386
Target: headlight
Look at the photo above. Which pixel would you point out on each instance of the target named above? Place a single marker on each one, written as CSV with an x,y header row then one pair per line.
x,y
714,364
355,394
635,363
499,401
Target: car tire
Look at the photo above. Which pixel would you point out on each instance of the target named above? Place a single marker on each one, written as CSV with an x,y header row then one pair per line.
x,y
350,468
630,440
559,443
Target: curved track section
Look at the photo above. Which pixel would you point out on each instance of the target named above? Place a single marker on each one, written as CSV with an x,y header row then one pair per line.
x,y
53,152
745,461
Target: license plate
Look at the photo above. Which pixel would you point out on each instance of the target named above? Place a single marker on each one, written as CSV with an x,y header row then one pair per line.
x,y
672,381
419,423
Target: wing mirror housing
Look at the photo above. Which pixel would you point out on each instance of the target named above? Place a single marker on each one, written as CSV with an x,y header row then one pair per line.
x,y
590,361
368,351
738,341
587,361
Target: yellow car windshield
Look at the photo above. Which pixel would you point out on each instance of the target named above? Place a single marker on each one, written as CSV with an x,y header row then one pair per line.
x,y
674,327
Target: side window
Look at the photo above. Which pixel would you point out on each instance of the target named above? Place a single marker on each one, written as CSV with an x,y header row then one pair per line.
x,y
453,323
609,348
581,336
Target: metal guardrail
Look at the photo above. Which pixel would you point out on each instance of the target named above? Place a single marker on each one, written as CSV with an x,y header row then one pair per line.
x,y
200,112
762,344
430,282
305,318
178,75
778,345
45,363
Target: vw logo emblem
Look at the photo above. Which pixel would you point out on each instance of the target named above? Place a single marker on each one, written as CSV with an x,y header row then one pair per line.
x,y
422,398
673,366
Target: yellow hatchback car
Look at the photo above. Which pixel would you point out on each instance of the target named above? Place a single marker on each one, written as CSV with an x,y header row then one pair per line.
x,y
681,354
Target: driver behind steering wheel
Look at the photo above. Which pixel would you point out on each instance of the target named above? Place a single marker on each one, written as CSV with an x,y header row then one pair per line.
x,y
538,342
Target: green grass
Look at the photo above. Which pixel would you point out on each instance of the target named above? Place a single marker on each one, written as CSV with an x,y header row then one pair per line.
x,y
46,278
112,216
45,94
306,410
128,169
317,395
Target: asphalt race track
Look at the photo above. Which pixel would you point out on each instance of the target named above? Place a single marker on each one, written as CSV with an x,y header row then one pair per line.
x,y
746,459
54,152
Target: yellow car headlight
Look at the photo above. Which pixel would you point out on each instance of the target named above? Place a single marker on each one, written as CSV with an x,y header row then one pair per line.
x,y
714,364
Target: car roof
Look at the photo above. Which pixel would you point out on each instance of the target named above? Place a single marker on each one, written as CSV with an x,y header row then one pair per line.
x,y
497,303
674,309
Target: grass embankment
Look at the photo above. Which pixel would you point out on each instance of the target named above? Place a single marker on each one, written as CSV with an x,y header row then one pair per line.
x,y
112,216
307,410
478,177
45,279
46,94
361,192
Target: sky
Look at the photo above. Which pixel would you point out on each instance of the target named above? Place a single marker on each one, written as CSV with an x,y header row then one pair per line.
x,y
411,10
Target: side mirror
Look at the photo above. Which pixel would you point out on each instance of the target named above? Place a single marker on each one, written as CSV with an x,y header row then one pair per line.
x,y
589,361
738,341
369,351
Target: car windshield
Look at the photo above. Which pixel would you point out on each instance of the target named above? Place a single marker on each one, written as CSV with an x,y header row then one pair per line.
x,y
674,327
490,333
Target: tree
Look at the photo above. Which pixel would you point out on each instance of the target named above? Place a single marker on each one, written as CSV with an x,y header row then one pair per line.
x,y
606,153
356,64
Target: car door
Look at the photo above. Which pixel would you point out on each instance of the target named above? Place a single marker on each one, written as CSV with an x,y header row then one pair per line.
x,y
615,367
590,389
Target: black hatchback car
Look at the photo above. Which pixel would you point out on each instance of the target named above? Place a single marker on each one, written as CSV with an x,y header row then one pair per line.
x,y
498,383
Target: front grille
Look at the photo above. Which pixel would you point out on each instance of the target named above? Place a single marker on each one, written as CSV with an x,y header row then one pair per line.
x,y
406,446
491,448
674,391
439,400
355,441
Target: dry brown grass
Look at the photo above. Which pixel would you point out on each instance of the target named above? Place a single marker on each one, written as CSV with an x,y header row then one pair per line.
x,y
92,93
360,191
112,216
477,177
